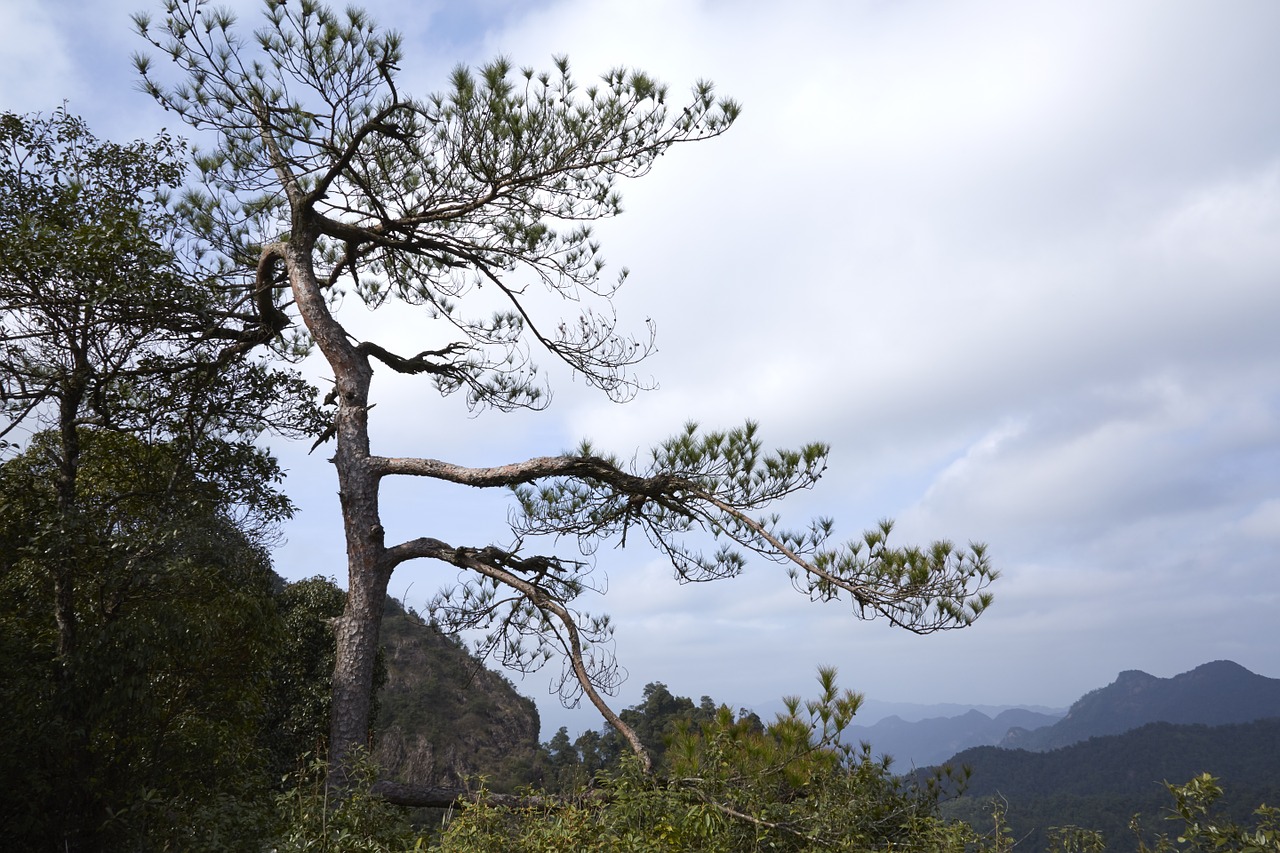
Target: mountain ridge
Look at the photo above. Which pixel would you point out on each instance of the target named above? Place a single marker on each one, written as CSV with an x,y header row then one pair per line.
x,y
932,740
1216,693
445,718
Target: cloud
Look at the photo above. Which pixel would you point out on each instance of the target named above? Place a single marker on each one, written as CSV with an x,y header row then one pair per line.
x,y
1015,262
1224,231
36,67
1263,521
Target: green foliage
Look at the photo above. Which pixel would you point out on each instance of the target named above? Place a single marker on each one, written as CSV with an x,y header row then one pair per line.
x,y
138,594
296,722
700,482
99,317
144,732
571,765
1203,831
657,719
196,685
193,686
1074,839
314,819
716,481
86,215
731,785
420,200
483,828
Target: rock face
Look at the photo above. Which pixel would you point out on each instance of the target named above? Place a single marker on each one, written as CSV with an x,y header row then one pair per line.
x,y
1214,694
444,719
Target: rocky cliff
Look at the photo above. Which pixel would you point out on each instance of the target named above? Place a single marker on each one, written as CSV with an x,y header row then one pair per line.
x,y
444,718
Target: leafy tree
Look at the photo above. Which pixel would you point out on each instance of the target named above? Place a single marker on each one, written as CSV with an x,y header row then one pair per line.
x,y
572,765
1205,832
297,714
658,719
659,715
138,590
145,733
564,761
333,186
199,682
655,720
101,325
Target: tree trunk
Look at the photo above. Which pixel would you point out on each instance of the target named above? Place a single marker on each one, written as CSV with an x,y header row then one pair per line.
x,y
358,628
64,605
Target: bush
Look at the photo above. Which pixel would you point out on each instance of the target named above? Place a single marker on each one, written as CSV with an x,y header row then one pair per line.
x,y
314,820
731,785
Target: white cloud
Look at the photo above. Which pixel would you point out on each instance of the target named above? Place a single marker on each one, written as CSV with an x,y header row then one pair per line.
x,y
35,70
1263,521
1015,262
1224,232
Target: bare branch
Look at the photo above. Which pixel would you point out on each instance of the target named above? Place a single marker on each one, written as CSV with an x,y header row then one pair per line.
x,y
584,467
501,566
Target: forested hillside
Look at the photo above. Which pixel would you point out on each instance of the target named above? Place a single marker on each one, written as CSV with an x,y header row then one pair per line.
x,y
1102,782
1214,694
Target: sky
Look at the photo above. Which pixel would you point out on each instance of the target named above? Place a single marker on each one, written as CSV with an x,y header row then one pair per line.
x,y
1017,263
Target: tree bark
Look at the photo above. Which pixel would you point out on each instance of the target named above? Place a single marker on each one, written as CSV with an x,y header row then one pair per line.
x,y
358,629
64,608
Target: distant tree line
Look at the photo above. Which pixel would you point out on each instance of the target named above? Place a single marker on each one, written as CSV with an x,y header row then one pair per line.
x,y
659,718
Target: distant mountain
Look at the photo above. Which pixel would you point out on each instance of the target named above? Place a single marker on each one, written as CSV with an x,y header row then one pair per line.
x,y
934,740
1214,694
874,710
1102,782
1134,762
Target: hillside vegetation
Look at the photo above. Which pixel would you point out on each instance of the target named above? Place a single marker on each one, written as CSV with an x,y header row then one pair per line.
x,y
444,719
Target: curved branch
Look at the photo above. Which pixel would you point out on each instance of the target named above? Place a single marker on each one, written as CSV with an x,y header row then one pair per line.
x,y
418,363
486,562
583,467
270,320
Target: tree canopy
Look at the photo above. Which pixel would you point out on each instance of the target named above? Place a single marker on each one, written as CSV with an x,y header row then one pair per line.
x,y
103,326
107,320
